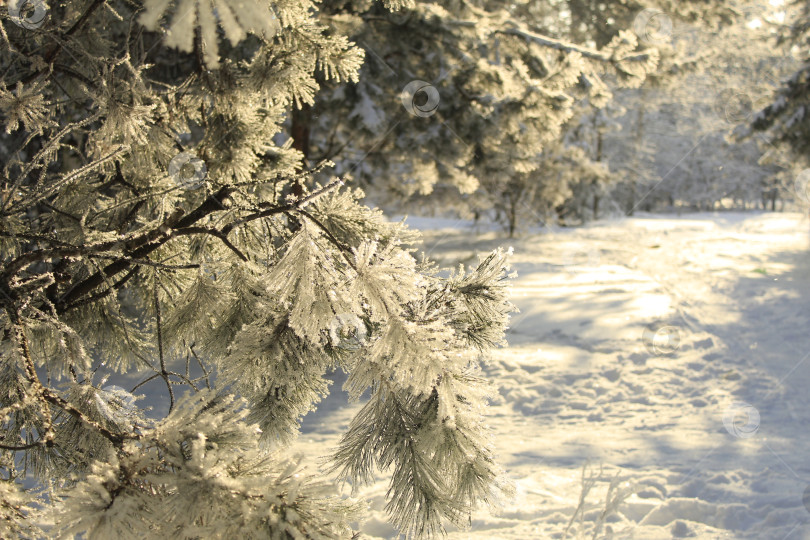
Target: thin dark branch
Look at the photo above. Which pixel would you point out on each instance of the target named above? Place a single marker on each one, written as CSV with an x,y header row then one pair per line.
x,y
184,379
115,438
202,367
36,238
283,208
83,19
343,248
146,380
117,285
60,212
212,232
146,262
158,322
75,74
564,46
40,442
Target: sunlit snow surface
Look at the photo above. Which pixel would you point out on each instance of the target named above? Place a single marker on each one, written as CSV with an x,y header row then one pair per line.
x,y
579,382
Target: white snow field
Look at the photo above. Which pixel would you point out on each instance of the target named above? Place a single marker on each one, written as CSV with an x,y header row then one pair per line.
x,y
672,352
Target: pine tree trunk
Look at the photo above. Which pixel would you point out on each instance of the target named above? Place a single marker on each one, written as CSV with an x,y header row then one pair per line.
x,y
598,156
300,133
639,137
512,216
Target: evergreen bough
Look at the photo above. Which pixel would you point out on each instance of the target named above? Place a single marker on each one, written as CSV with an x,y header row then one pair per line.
x,y
157,230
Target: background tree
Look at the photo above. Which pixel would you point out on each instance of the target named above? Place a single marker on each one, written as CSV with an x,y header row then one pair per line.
x,y
489,83
784,121
493,91
676,148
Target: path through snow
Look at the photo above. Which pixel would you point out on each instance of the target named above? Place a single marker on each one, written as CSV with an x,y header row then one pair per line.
x,y
674,417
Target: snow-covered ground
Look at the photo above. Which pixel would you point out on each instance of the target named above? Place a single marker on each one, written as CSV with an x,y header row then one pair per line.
x,y
672,352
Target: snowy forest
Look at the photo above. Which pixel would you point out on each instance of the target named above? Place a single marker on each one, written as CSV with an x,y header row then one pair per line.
x,y
404,269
